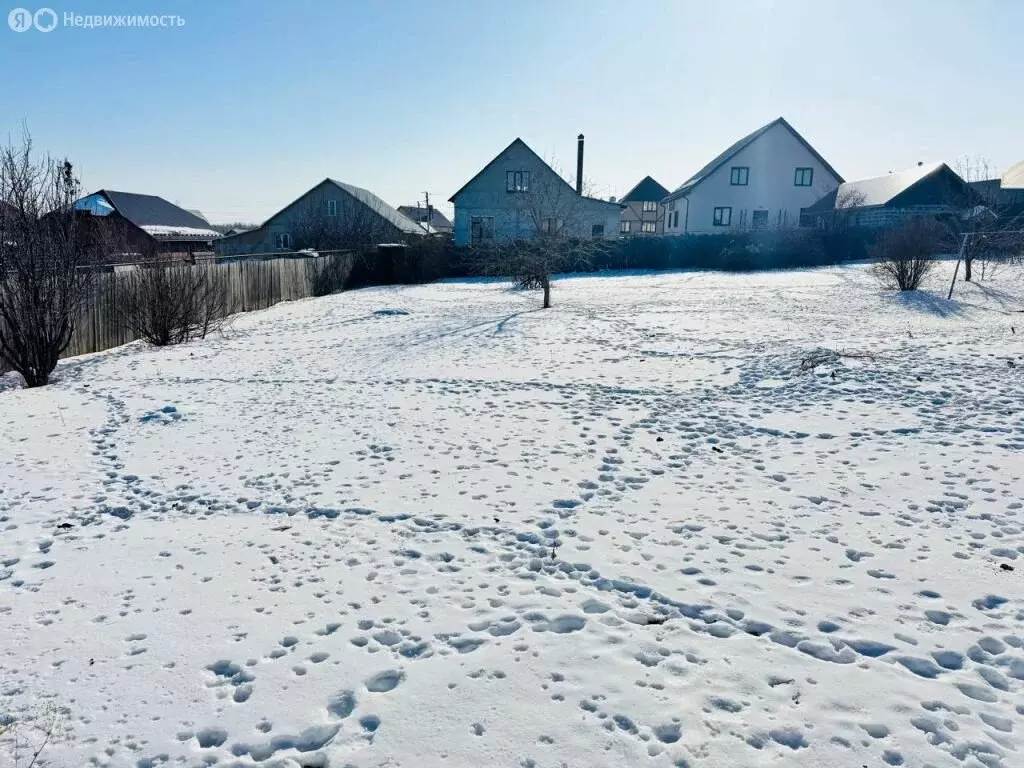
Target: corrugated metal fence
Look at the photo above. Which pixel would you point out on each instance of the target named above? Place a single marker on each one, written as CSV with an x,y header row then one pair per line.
x,y
252,282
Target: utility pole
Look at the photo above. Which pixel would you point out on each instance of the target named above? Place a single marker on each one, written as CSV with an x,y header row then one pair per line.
x,y
430,216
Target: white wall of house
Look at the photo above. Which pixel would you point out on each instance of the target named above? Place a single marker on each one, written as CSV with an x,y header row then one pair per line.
x,y
511,214
772,161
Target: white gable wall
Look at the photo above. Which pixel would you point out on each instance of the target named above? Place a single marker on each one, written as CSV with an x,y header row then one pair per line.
x,y
772,159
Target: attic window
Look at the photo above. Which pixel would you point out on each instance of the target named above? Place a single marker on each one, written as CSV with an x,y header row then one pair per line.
x,y
332,207
283,241
517,181
650,206
739,175
803,177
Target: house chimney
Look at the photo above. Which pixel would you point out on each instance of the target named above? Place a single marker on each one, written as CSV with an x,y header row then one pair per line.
x,y
579,164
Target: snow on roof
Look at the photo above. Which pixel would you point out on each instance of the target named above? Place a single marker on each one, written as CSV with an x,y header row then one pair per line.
x,y
881,189
165,232
1014,178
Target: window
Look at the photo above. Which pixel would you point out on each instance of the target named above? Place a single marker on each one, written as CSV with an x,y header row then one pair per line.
x,y
550,226
650,206
332,207
624,227
722,217
675,219
597,230
759,219
481,229
739,175
803,177
672,205
517,181
649,227
283,240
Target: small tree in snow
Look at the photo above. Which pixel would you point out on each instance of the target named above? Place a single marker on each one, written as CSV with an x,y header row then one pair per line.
x,y
552,235
904,256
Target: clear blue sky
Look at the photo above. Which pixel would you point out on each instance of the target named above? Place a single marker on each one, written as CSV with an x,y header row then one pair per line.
x,y
250,103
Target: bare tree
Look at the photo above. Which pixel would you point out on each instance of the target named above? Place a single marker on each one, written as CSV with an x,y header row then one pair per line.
x,y
551,233
904,256
173,303
985,233
353,225
847,201
42,288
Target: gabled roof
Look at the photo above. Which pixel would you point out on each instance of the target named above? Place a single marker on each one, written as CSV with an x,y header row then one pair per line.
x,y
419,214
157,217
374,203
364,196
645,191
884,190
1014,178
525,146
738,147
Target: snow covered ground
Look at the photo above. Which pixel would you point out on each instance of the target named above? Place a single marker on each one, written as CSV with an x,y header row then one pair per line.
x,y
627,530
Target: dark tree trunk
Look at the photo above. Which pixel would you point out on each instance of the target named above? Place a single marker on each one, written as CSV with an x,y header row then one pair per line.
x,y
968,263
546,285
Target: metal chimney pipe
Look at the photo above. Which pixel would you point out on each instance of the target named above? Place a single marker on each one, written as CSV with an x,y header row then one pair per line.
x,y
579,164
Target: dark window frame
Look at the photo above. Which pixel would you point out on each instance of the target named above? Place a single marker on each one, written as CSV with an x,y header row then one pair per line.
x,y
476,222
649,227
764,219
624,227
649,206
722,216
517,182
800,174
597,230
739,176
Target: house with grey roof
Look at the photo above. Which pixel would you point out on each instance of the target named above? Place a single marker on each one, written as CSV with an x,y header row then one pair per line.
x,y
926,190
517,196
762,181
1004,195
642,211
433,221
145,226
331,215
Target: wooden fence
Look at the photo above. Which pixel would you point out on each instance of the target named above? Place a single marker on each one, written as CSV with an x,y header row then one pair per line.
x,y
252,282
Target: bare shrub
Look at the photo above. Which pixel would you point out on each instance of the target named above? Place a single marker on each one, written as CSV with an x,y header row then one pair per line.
x,y
331,273
42,288
25,739
172,303
904,256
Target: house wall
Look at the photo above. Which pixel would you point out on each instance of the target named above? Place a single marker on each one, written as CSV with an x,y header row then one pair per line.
x,y
635,215
513,211
772,159
296,217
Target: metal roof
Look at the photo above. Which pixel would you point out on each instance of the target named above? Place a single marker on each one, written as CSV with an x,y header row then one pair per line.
x,y
1014,178
163,220
378,206
645,191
